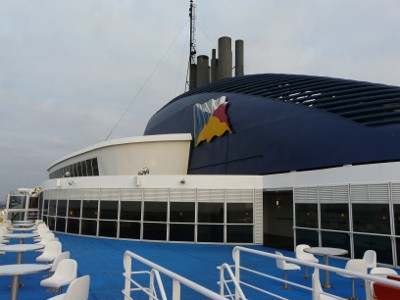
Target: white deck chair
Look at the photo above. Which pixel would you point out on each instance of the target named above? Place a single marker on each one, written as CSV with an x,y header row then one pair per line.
x,y
51,250
318,293
65,273
370,258
283,265
300,254
355,265
77,290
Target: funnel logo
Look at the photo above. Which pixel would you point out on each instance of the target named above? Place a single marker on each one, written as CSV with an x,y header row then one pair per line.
x,y
210,120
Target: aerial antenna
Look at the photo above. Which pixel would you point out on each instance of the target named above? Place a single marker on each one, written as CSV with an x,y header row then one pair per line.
x,y
191,74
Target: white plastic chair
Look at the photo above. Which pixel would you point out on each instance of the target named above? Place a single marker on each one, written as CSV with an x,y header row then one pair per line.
x,y
60,257
65,273
77,290
354,265
300,254
370,258
51,250
48,236
317,292
378,271
283,265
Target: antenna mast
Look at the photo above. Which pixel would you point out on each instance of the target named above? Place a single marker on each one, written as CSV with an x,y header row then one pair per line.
x,y
191,74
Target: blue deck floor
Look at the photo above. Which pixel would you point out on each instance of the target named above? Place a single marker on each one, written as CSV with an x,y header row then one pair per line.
x,y
102,259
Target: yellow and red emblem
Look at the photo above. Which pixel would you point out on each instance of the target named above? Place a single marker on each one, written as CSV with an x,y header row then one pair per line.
x,y
211,120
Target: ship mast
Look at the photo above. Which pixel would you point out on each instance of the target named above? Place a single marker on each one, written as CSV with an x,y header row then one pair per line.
x,y
191,74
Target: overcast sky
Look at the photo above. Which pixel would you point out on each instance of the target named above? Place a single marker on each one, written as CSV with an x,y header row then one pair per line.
x,y
69,69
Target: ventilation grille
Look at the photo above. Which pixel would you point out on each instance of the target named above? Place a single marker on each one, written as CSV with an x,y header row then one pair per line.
x,y
362,102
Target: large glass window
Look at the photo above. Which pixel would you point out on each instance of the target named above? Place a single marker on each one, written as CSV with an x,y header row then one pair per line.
x,y
181,232
89,227
131,210
62,208
109,210
52,207
371,218
155,211
210,233
154,231
73,226
211,212
240,213
336,240
129,230
306,215
335,216
309,237
89,209
60,224
74,208
17,201
381,244
240,234
182,212
108,228
396,209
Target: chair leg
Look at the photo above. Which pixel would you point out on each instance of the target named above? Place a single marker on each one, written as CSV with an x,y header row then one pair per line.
x,y
353,289
306,275
286,287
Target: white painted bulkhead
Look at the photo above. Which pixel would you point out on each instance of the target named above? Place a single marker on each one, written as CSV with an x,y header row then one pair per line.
x,y
161,154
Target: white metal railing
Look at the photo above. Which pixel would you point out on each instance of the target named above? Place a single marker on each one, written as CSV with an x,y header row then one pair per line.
x,y
155,281
224,284
236,278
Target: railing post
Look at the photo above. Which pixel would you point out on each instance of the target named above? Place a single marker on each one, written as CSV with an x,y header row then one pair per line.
x,y
221,281
176,290
151,285
236,259
128,271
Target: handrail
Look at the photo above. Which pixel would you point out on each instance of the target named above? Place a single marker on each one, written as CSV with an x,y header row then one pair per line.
x,y
238,267
223,283
177,280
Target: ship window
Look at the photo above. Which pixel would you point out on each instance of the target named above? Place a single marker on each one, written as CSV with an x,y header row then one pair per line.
x,y
89,209
95,167
129,230
84,170
17,201
155,211
52,207
73,226
130,210
309,237
181,232
109,210
336,240
396,209
154,231
74,209
89,227
371,218
45,207
306,215
211,212
240,234
335,216
182,212
381,244
51,222
60,224
62,208
240,213
108,228
210,233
